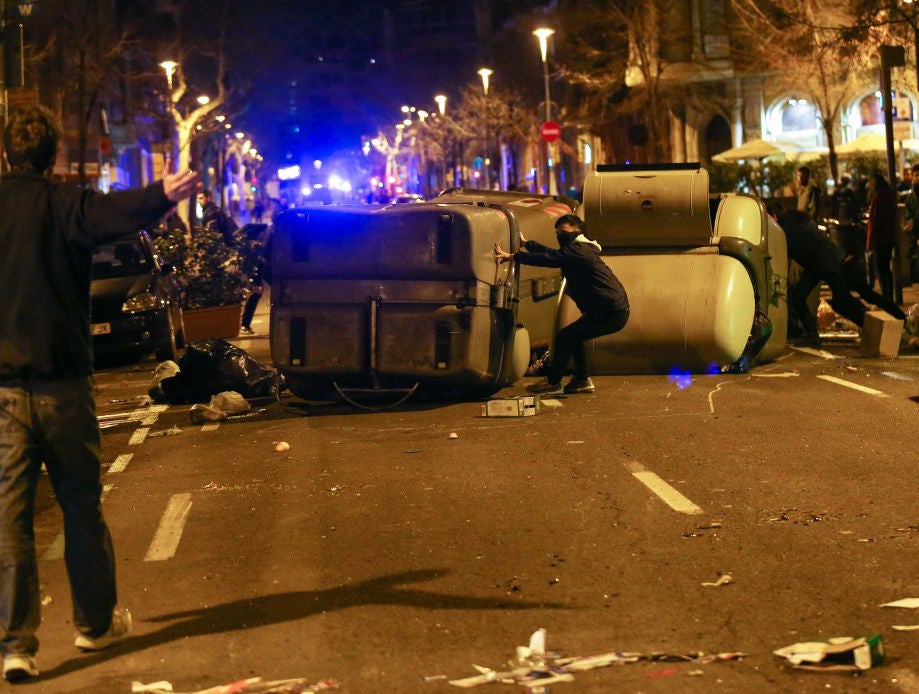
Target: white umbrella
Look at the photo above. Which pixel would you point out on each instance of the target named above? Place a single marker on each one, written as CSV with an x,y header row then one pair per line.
x,y
761,149
873,143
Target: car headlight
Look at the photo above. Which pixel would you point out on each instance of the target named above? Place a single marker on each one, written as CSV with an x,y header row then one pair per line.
x,y
141,302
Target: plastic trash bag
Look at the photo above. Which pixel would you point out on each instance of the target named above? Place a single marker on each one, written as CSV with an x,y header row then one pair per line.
x,y
210,367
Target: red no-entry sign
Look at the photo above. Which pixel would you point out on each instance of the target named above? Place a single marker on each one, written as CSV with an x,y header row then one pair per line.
x,y
550,131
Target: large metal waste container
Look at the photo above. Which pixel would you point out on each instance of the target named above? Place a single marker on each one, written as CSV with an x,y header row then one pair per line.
x,y
697,271
368,299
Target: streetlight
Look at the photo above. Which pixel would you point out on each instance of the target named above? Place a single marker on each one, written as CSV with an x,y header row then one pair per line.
x,y
543,34
485,73
441,101
169,67
204,99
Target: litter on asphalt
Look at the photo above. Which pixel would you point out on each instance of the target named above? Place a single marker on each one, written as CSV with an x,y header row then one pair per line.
x,y
281,446
535,667
166,432
722,581
908,603
841,654
252,685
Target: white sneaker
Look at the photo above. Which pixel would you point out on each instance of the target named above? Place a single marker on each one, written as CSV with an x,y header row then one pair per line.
x,y
18,667
120,627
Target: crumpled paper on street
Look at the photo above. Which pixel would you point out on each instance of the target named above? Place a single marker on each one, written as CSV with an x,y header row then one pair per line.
x,y
535,667
221,406
252,685
841,653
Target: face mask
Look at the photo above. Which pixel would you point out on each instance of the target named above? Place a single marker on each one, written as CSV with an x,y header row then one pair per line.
x,y
566,239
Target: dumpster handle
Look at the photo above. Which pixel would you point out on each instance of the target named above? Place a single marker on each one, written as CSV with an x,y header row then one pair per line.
x,y
343,392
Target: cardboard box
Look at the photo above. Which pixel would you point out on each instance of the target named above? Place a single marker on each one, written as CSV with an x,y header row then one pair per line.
x,y
520,406
881,335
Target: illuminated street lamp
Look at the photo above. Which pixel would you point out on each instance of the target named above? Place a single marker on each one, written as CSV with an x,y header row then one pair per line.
x,y
169,67
543,34
485,73
441,102
204,99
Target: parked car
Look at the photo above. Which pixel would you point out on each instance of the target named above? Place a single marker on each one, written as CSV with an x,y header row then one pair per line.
x,y
136,306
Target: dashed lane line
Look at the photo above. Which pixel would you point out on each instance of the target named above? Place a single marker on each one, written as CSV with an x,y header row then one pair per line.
x,y
664,491
854,386
822,353
56,549
169,532
121,462
138,436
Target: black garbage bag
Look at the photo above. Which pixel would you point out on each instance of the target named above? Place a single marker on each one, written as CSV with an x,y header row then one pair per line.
x,y
209,367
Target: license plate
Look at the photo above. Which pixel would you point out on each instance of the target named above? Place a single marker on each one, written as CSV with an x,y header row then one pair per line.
x,y
101,328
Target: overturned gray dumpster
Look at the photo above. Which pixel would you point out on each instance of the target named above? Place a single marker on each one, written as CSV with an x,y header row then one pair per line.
x,y
370,300
704,276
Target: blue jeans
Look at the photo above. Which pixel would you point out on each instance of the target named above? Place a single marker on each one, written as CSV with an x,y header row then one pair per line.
x,y
54,423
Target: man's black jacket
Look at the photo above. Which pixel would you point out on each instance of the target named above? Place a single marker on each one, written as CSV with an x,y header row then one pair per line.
x,y
589,281
47,233
807,246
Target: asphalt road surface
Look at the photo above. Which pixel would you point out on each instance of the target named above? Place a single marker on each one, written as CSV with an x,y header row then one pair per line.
x,y
378,551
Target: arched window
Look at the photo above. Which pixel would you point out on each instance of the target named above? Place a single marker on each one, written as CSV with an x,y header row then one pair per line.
x,y
793,119
717,136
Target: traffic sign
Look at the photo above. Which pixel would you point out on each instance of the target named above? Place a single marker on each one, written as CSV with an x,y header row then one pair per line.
x,y
550,131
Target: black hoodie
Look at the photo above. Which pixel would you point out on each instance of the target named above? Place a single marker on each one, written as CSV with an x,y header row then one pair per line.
x,y
47,233
589,281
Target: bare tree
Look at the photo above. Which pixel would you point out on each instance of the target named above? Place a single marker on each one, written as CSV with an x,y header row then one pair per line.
x,y
83,49
809,46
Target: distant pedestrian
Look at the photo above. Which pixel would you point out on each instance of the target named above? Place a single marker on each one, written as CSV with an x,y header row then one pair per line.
x,y
808,193
257,279
47,411
882,230
215,219
592,286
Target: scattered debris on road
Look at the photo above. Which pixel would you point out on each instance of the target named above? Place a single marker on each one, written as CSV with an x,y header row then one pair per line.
x,y
166,432
252,685
222,406
908,603
905,627
533,666
453,436
281,446
841,654
724,580
519,406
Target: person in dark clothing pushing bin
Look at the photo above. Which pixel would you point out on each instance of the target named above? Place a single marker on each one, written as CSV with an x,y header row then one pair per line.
x,y
47,410
822,260
593,287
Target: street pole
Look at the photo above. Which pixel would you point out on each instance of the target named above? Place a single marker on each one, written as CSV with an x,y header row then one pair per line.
x,y
485,73
3,93
891,56
543,35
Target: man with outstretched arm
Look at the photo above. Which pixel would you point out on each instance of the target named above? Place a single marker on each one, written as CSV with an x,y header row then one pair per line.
x,y
47,411
592,286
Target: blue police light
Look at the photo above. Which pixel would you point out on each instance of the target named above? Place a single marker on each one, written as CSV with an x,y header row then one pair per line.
x,y
288,173
679,377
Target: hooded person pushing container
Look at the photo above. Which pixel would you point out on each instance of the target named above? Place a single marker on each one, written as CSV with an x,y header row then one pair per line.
x,y
593,287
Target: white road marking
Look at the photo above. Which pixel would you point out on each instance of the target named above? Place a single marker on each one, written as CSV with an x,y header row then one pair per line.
x,y
822,353
711,403
551,402
854,386
169,532
213,426
784,374
664,491
149,420
121,462
138,436
56,549
134,415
